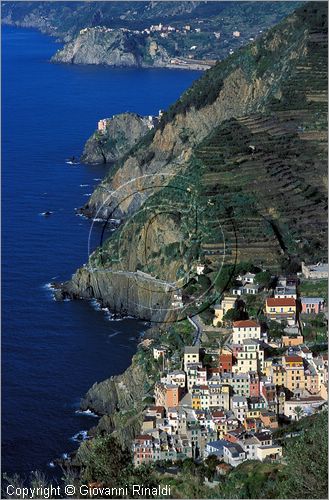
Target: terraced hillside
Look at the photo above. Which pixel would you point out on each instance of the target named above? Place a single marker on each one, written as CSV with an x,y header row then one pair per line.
x,y
240,177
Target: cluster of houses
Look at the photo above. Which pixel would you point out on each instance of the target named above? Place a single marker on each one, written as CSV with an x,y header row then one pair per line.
x,y
282,304
227,401
150,121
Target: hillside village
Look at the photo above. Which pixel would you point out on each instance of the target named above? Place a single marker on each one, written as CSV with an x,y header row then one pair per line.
x,y
228,396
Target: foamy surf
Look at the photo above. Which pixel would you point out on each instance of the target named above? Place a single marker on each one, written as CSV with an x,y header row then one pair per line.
x,y
80,436
86,413
95,305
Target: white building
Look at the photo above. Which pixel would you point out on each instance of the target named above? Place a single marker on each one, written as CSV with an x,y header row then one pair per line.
x,y
234,455
239,407
244,330
191,355
159,352
176,377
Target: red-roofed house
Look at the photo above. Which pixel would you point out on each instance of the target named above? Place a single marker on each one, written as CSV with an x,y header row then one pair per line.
x,y
279,309
245,330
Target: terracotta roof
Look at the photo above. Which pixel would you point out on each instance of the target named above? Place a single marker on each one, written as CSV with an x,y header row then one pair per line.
x,y
295,359
156,408
217,413
143,437
280,302
245,323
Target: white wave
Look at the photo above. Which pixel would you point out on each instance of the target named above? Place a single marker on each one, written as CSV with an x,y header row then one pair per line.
x,y
48,286
97,179
87,413
97,219
84,185
51,464
87,194
113,334
95,305
80,436
65,456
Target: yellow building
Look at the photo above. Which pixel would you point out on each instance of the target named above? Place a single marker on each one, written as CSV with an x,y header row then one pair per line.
x,y
196,402
294,368
253,414
227,303
281,309
221,429
278,374
268,367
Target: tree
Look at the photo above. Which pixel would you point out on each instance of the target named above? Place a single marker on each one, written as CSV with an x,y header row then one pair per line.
x,y
276,329
104,460
298,412
231,315
263,278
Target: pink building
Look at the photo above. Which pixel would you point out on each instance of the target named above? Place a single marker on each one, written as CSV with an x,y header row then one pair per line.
x,y
312,305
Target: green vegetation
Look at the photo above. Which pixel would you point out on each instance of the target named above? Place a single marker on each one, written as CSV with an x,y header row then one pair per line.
x,y
263,278
103,460
305,474
314,288
315,327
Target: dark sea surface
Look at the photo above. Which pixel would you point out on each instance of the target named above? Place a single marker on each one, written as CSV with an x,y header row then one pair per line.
x,y
52,352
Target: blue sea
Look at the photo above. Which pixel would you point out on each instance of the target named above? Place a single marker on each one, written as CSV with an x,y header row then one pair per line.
x,y
52,352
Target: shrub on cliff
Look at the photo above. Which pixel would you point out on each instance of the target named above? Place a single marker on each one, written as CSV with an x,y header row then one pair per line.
x,y
104,460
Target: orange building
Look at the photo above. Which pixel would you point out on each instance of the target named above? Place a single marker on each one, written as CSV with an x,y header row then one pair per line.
x,y
225,363
288,341
167,395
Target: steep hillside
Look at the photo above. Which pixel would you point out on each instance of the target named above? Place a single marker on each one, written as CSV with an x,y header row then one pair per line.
x,y
198,30
236,171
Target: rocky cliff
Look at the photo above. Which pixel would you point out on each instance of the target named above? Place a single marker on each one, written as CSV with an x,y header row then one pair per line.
x,y
236,149
226,173
121,133
243,84
112,47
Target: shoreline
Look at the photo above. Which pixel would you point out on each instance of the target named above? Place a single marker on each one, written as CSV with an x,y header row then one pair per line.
x,y
182,63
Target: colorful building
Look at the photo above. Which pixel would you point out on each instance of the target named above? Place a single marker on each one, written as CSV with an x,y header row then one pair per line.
x,y
312,305
281,309
295,378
